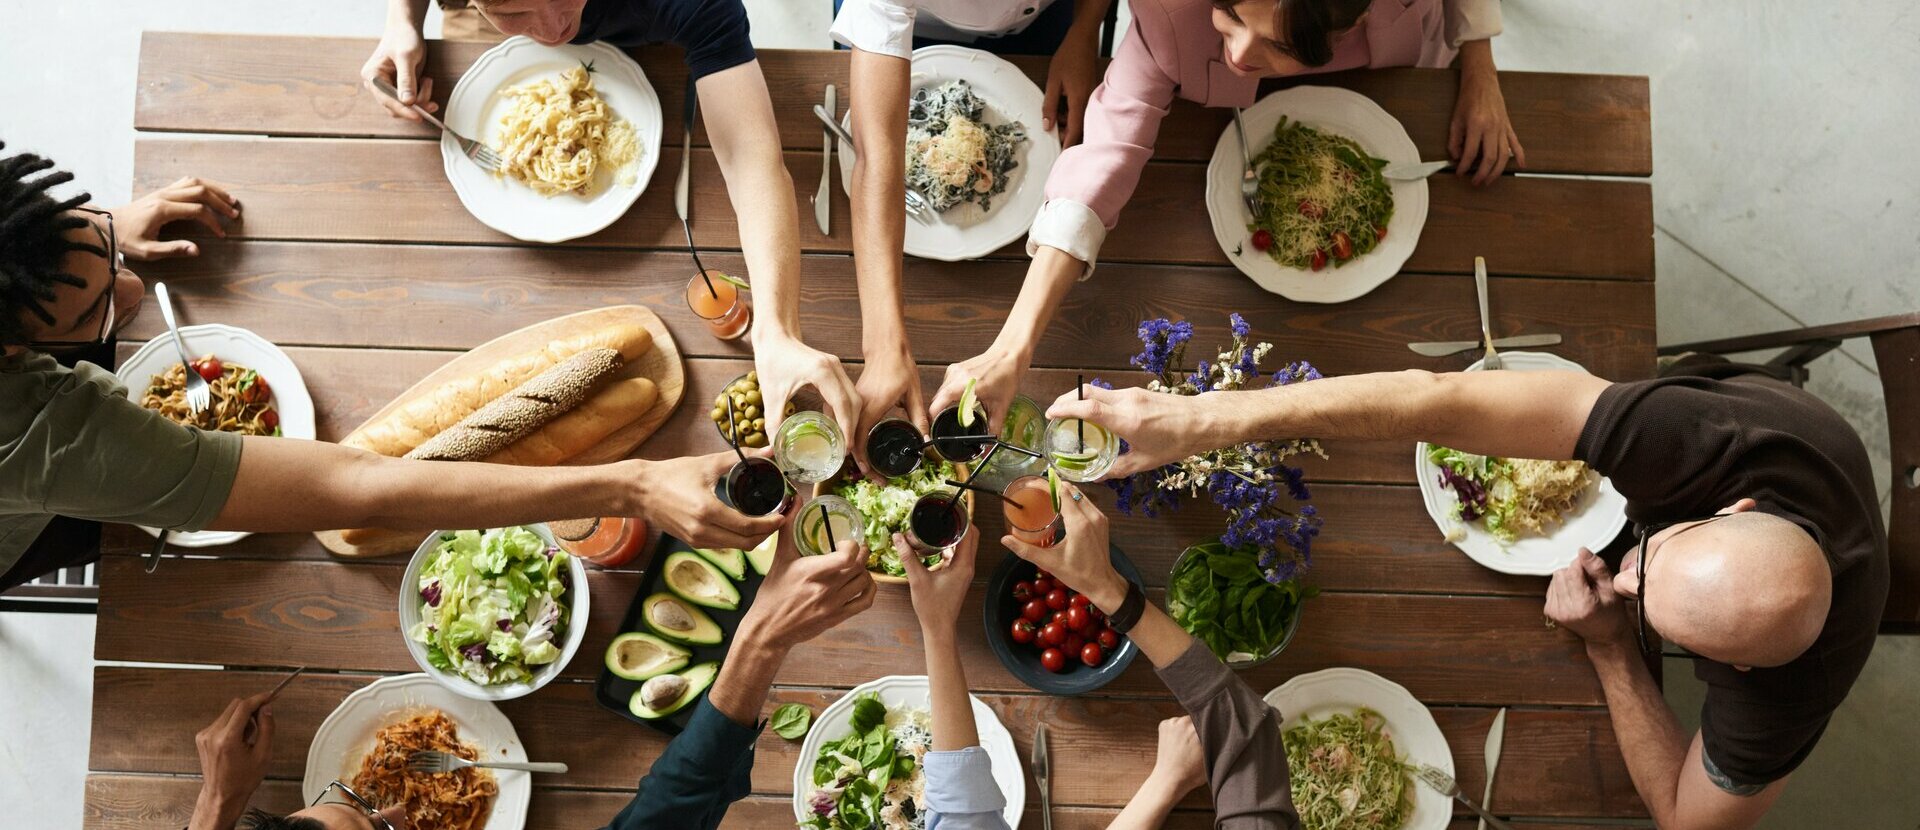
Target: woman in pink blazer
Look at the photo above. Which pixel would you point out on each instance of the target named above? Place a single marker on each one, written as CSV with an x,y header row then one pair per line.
x,y
1215,52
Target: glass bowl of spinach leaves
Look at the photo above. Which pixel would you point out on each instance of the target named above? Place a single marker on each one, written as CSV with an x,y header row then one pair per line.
x,y
1220,596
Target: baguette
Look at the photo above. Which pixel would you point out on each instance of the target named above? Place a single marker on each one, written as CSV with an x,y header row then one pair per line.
x,y
435,410
607,412
528,407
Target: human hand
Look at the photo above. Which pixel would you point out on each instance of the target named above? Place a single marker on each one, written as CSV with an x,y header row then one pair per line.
x,y
137,224
1179,764
998,372
1581,599
785,365
889,381
804,596
1481,132
1070,81
676,496
1082,560
234,753
1159,428
401,58
939,594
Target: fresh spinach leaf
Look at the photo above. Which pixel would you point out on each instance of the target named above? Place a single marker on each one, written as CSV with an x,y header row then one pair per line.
x,y
791,720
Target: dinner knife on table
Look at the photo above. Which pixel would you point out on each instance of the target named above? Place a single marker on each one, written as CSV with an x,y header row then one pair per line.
x,y
1442,348
822,198
1413,171
1040,775
1495,735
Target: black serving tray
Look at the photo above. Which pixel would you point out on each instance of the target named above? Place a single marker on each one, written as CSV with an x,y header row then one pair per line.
x,y
614,692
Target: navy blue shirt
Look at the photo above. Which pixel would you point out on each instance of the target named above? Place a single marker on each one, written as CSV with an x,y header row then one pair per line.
x,y
706,768
714,32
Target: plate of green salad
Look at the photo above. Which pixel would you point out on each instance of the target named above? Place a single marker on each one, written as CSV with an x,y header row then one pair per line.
x,y
493,614
860,766
885,508
1519,515
1351,736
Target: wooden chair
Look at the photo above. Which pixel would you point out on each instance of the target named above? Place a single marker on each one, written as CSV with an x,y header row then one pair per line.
x,y
67,591
1896,348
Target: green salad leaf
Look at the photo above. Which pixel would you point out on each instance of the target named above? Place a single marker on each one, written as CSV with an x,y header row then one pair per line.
x,y
1219,596
791,720
490,604
853,772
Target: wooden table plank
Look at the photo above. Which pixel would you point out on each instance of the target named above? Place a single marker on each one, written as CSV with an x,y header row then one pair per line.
x,y
1557,762
340,190
1444,649
1592,124
437,297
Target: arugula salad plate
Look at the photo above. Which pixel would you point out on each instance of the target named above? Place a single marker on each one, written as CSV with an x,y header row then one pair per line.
x,y
903,694
1408,723
1594,522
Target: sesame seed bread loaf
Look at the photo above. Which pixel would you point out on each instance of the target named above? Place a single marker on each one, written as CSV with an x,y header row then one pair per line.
x,y
512,416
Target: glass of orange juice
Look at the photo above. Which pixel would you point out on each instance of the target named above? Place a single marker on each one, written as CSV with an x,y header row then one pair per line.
x,y
1027,503
717,300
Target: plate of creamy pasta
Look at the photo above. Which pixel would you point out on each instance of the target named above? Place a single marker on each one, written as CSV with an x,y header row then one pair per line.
x,y
257,390
577,129
366,741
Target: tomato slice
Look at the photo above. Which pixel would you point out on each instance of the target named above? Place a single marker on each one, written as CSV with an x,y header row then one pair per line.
x,y
1319,260
1342,246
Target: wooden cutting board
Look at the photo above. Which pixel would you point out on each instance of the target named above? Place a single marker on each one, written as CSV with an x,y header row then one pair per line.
x,y
661,363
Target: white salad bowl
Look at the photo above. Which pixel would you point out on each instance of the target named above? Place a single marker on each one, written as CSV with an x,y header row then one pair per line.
x,y
578,606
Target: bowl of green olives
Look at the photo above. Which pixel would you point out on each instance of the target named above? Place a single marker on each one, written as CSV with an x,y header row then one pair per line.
x,y
748,425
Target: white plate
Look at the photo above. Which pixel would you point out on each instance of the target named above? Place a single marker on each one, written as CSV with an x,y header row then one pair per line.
x,y
910,691
508,205
1593,523
231,345
346,736
577,599
965,231
1333,110
1411,726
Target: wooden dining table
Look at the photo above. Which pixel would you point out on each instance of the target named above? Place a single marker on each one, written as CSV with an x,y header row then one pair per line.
x,y
355,256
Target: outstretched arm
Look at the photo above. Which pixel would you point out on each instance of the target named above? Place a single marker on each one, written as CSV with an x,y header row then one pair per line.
x,y
1516,414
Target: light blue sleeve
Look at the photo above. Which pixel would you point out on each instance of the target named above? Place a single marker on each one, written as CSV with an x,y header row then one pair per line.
x,y
961,793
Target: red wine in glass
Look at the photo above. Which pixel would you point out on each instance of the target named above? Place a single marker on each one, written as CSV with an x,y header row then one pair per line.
x,y
894,447
938,521
946,428
755,487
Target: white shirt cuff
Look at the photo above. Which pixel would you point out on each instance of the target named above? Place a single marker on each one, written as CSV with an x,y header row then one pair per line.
x,y
875,26
1070,227
1472,20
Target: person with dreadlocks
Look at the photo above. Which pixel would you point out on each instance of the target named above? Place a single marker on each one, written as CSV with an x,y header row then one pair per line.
x,y
75,450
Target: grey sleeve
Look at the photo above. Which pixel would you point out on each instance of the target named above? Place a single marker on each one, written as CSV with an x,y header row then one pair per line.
x,y
1240,736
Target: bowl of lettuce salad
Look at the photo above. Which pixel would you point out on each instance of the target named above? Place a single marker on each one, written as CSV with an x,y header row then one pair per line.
x,y
493,614
885,509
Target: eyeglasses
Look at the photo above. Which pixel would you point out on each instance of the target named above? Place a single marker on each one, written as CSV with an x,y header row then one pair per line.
x,y
1650,640
373,813
115,261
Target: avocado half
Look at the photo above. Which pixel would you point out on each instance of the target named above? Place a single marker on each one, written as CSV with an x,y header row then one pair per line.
x,y
731,561
761,557
697,680
661,610
692,578
640,656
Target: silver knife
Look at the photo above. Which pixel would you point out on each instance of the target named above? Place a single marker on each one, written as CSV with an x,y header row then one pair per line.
x,y
823,198
1443,348
1494,736
1040,775
1413,171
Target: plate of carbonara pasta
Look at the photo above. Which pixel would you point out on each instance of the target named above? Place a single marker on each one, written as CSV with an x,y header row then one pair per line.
x,y
256,391
577,129
365,744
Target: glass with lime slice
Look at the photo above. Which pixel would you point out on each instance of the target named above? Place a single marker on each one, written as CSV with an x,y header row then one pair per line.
x,y
825,521
1081,451
809,447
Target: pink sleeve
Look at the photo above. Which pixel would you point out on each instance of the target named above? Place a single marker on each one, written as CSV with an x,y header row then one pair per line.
x,y
1122,121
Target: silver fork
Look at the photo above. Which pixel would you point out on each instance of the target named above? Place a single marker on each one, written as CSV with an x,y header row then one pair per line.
x,y
1249,180
1445,785
432,761
476,152
199,394
917,205
1492,361
1041,773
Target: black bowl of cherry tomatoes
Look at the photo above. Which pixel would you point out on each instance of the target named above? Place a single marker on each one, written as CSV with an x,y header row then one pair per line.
x,y
1050,636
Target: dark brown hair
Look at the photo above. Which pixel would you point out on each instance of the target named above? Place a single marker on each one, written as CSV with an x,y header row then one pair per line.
x,y
1306,28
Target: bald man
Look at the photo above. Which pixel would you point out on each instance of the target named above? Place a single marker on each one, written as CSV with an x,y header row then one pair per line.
x,y
1762,555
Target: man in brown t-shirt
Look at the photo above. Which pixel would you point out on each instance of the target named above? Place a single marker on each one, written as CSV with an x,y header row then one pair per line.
x,y
1763,552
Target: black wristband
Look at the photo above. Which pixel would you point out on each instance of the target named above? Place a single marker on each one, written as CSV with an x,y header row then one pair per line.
x,y
1123,618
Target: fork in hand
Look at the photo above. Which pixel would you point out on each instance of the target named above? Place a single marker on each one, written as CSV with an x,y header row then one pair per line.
x,y
199,394
475,151
433,761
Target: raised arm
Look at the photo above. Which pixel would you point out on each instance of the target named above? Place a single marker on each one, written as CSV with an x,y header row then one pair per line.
x,y
961,793
738,114
1517,414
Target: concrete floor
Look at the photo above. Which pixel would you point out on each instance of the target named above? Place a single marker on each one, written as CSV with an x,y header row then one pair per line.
x,y
1781,198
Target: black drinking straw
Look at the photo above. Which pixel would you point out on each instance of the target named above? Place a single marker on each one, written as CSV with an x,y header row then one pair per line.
x,y
1080,424
696,261
733,434
828,521
989,491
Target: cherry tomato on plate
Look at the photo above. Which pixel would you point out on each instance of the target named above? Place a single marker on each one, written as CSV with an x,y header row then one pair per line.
x,y
1033,611
1040,586
1079,600
1074,642
1023,631
1311,210
1091,654
1077,618
1057,599
1053,660
1262,239
1052,634
1342,246
270,419
209,368
1319,260
1022,591
1109,639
